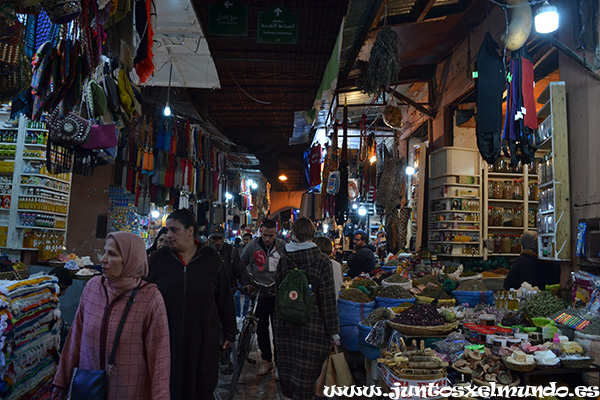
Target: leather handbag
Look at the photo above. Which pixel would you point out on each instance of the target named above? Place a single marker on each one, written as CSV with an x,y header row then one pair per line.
x,y
62,11
91,384
69,131
101,137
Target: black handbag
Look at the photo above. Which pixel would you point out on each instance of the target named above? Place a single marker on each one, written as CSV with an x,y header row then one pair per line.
x,y
92,384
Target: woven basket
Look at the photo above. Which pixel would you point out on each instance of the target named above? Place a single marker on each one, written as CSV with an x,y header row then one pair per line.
x,y
576,363
484,383
424,330
22,274
441,302
420,377
518,367
7,276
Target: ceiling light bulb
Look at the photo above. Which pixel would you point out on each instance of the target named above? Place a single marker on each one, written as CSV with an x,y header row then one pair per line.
x,y
254,186
282,178
228,196
373,159
354,206
410,170
167,110
250,182
362,211
546,18
155,214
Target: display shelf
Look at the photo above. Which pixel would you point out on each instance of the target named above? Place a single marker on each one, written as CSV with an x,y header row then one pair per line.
x,y
557,245
41,212
454,211
493,176
507,201
455,198
491,204
417,158
16,231
546,144
40,228
454,184
453,221
45,188
449,242
546,185
47,176
453,230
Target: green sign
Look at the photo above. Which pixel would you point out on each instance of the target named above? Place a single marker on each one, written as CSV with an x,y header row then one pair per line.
x,y
227,19
277,25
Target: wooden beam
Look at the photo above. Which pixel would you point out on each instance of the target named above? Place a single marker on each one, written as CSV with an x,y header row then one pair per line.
x,y
410,102
421,9
363,37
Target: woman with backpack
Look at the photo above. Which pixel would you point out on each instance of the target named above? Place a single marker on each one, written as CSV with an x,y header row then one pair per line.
x,y
303,336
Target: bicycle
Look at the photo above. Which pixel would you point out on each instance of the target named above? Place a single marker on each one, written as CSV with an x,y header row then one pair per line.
x,y
246,336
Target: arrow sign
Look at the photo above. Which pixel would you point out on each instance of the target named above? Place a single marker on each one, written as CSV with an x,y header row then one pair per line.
x,y
277,25
227,18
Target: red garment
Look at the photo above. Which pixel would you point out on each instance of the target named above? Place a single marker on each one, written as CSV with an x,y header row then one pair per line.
x,y
314,165
530,118
142,364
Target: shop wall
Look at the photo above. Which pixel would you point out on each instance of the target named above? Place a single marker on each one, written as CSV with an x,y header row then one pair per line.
x,y
281,200
89,199
583,97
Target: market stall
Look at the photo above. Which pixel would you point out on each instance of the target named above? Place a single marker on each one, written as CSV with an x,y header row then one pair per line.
x,y
420,322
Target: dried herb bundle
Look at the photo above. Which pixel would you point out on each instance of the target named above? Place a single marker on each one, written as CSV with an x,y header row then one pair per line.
x,y
384,63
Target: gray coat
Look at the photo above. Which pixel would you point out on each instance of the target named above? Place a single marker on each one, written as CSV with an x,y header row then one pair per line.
x,y
261,262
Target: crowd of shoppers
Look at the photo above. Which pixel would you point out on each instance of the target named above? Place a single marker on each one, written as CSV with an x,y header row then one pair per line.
x,y
184,318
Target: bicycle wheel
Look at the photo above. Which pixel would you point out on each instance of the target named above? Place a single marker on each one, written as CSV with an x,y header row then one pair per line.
x,y
243,348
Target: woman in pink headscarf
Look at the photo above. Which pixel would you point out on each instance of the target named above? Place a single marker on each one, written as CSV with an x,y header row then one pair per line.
x,y
142,364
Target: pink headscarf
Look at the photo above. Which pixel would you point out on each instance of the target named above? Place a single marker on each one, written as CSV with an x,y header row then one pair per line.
x,y
135,264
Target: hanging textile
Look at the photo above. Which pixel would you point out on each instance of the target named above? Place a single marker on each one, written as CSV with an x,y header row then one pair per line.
x,y
520,138
314,166
144,66
489,87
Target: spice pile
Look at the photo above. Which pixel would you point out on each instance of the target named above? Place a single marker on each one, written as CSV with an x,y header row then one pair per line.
x,y
420,315
377,315
481,309
543,304
466,274
433,290
395,278
424,280
472,285
362,282
354,295
395,292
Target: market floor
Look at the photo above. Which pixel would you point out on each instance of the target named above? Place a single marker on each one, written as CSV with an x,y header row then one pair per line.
x,y
256,386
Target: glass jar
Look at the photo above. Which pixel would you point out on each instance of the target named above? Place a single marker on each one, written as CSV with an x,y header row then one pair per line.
x,y
518,190
504,165
549,168
506,244
491,167
541,171
517,217
508,190
532,191
517,169
497,193
507,218
532,167
496,217
515,244
498,244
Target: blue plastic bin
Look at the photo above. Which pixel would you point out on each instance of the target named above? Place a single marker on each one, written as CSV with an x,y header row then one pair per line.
x,y
369,351
387,302
474,298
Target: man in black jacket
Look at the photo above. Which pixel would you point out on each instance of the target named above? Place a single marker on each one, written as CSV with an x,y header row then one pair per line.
x,y
363,259
229,254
